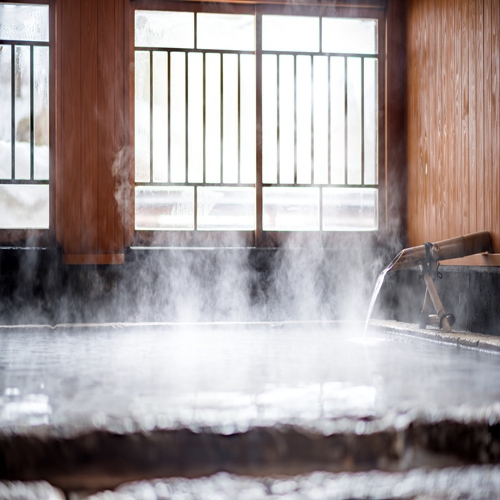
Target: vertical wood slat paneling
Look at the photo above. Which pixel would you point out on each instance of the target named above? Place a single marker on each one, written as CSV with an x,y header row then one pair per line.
x,y
453,52
70,85
424,115
128,199
429,208
91,128
472,71
118,167
464,192
495,118
439,187
450,77
56,119
456,173
461,207
106,114
435,153
419,108
428,107
418,124
412,150
88,171
488,172
480,116
443,107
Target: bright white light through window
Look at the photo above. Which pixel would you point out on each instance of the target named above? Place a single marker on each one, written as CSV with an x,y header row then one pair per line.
x,y
196,130
24,108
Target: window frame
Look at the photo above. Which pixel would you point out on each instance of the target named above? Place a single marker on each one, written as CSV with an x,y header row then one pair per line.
x,y
259,237
46,236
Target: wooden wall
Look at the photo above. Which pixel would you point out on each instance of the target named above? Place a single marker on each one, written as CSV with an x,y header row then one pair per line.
x,y
453,118
91,129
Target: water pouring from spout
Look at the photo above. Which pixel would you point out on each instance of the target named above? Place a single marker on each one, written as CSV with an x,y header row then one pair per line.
x,y
378,286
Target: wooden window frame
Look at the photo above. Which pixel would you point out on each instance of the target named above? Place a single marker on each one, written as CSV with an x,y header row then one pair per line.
x,y
260,238
42,237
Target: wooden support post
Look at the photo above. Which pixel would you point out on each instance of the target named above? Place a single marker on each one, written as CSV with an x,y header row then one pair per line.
x,y
426,309
438,305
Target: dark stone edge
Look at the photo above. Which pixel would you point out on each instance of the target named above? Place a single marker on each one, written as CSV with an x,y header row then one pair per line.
x,y
100,459
459,338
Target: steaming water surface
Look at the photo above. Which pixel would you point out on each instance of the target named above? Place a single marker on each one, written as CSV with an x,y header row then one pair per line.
x,y
232,376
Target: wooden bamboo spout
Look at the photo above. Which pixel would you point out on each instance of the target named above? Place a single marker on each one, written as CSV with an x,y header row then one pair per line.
x,y
427,257
451,248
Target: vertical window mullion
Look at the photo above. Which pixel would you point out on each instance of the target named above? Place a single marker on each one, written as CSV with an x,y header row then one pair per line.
x,y
295,119
278,156
320,20
362,121
221,118
329,131
195,32
312,119
13,109
239,119
258,112
329,120
186,116
204,117
169,110
346,158
151,116
32,117
187,136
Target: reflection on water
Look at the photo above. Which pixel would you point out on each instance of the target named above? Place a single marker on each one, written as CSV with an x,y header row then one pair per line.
x,y
29,409
233,377
471,483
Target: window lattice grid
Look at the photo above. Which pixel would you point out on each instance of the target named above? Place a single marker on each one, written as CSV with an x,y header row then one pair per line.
x,y
25,106
315,131
318,130
195,117
25,124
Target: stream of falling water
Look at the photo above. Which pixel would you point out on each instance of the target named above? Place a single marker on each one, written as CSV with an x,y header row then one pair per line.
x,y
376,290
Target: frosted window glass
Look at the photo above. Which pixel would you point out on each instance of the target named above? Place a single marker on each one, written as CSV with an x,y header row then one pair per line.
x,y
164,29
290,209
225,31
290,33
24,206
349,36
226,209
24,22
168,208
350,209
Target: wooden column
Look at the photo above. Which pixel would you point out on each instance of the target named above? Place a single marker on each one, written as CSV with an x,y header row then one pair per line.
x,y
395,119
92,151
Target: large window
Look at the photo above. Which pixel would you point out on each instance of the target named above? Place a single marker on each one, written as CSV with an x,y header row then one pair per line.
x,y
251,120
24,108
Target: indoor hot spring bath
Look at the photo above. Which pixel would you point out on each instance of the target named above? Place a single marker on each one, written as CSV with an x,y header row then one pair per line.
x,y
196,200
267,410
